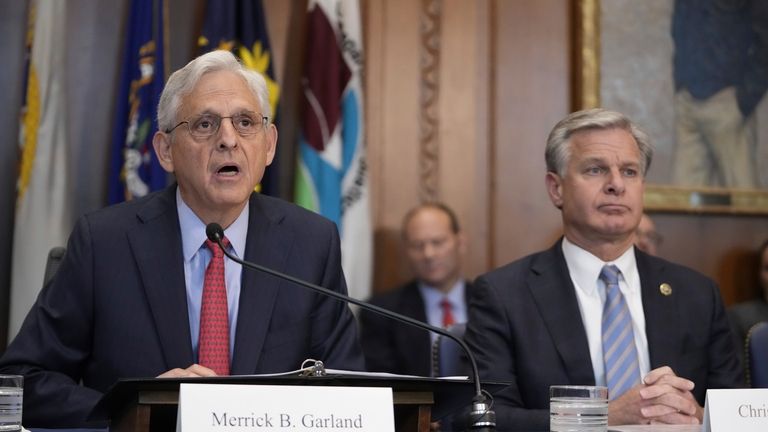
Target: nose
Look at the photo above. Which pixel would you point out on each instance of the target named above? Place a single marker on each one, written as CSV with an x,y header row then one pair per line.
x,y
228,136
428,251
614,184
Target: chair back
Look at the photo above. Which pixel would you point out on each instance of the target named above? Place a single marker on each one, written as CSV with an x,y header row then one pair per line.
x,y
448,359
55,255
757,355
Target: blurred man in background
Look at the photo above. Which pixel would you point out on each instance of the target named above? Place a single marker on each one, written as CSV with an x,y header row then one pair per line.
x,y
744,315
647,238
435,247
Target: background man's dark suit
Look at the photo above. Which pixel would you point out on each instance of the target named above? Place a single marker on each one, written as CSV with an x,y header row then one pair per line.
x,y
117,307
393,347
525,327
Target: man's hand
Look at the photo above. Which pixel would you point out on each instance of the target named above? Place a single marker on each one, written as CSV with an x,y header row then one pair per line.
x,y
663,397
625,410
193,371
669,398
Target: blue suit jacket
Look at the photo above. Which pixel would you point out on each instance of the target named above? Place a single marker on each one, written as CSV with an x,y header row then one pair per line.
x,y
117,306
525,328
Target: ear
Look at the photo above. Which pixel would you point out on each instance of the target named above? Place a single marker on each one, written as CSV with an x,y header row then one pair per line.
x,y
271,136
462,239
554,188
162,144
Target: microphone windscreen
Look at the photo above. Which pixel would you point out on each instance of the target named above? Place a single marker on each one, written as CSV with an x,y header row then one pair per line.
x,y
214,232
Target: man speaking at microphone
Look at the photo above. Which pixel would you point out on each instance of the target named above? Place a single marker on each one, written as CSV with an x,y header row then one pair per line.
x,y
141,292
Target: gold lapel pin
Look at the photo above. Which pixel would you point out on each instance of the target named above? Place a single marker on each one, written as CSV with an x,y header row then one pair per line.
x,y
665,289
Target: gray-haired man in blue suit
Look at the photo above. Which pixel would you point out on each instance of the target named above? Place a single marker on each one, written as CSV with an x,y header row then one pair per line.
x,y
593,309
128,298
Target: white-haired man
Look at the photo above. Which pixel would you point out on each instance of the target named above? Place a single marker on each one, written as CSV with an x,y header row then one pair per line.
x,y
142,293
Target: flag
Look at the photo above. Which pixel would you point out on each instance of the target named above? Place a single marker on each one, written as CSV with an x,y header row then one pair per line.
x,y
42,202
239,26
135,170
332,176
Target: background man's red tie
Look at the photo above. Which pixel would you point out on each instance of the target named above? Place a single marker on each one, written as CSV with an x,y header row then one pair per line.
x,y
214,316
447,313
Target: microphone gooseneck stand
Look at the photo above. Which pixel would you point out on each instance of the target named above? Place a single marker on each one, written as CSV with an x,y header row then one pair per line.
x,y
481,416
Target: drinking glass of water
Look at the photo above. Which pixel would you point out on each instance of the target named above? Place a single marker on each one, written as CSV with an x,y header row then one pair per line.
x,y
11,396
578,408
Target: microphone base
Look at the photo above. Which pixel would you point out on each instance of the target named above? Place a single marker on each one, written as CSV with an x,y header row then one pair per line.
x,y
481,417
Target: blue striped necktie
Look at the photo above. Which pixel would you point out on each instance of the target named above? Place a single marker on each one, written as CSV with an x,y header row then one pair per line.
x,y
622,370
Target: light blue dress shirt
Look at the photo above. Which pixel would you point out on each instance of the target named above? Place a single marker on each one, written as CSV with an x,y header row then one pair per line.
x,y
432,298
196,259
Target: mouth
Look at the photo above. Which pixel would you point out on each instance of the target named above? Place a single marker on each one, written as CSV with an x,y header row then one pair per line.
x,y
228,170
614,208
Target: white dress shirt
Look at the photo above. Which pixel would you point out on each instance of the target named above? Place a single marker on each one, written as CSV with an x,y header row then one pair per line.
x,y
584,269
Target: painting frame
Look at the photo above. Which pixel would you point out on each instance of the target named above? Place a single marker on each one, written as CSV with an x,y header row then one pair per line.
x,y
658,197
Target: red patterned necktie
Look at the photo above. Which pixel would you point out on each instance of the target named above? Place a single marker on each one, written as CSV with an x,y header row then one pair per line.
x,y
448,320
214,315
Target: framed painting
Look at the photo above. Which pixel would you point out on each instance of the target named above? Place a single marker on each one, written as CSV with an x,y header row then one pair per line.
x,y
653,61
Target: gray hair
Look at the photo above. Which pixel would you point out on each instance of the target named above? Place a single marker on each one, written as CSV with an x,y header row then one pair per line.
x,y
558,150
183,81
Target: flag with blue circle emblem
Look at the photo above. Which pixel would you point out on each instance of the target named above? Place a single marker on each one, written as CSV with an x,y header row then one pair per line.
x,y
332,176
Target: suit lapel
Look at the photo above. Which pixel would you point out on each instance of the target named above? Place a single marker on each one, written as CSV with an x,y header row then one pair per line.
x,y
661,319
162,274
467,291
555,297
268,244
412,304
413,339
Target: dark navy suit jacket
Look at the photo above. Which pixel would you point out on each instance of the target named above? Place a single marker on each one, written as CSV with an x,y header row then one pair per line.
x,y
117,306
390,346
525,328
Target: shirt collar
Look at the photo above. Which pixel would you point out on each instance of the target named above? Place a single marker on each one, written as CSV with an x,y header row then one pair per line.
x,y
585,268
193,230
433,296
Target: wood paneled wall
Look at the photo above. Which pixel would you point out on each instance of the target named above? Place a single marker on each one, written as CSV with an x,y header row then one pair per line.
x,y
398,68
503,79
532,93
503,82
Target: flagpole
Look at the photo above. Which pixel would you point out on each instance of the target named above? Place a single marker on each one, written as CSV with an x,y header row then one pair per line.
x,y
290,107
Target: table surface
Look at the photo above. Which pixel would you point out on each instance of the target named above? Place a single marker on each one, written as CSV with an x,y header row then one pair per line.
x,y
628,428
655,428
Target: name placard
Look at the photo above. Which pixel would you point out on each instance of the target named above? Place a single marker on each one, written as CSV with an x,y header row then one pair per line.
x,y
236,407
743,410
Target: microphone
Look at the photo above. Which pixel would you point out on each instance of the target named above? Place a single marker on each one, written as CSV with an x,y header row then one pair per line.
x,y
481,416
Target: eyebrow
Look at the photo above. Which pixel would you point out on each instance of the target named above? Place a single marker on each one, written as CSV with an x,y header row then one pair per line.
x,y
593,160
210,112
603,161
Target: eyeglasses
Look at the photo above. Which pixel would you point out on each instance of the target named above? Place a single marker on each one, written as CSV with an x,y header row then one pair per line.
x,y
207,125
